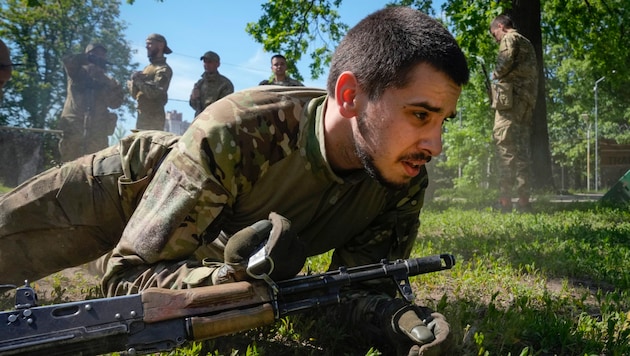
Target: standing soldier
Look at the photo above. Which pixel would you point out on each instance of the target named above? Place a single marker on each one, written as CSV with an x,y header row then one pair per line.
x,y
86,121
212,86
150,86
280,77
514,97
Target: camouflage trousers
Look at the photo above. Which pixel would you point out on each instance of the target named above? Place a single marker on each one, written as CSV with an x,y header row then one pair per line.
x,y
151,118
61,218
513,148
75,213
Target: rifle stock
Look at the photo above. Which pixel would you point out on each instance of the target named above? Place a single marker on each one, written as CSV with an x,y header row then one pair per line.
x,y
159,319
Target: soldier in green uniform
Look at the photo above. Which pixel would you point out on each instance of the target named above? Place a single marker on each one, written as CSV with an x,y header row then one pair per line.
x,y
5,66
86,120
341,169
280,77
212,86
514,97
150,86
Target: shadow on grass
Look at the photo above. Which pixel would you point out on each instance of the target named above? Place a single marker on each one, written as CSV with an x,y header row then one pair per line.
x,y
585,242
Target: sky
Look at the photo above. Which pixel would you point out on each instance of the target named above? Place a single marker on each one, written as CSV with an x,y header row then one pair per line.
x,y
192,27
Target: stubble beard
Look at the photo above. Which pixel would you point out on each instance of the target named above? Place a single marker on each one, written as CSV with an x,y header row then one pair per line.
x,y
367,159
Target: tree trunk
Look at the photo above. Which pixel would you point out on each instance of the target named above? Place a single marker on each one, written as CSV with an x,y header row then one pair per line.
x,y
526,15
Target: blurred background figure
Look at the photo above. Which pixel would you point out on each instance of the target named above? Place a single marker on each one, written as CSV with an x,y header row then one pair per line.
x,y
212,86
279,69
86,120
150,86
513,97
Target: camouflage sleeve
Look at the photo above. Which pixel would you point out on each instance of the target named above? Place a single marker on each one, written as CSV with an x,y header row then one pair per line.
x,y
158,87
190,189
195,103
506,59
228,89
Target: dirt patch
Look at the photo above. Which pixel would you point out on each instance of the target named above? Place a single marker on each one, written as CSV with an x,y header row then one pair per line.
x,y
72,284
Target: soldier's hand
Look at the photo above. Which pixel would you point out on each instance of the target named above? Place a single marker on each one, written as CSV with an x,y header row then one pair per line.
x,y
282,255
439,327
279,252
138,76
415,330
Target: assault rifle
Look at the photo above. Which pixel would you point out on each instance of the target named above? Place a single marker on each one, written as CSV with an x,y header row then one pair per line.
x,y
160,319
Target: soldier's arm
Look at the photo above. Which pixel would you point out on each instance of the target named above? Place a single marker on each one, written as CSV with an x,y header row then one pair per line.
x,y
158,87
391,236
226,89
506,59
195,98
188,192
73,63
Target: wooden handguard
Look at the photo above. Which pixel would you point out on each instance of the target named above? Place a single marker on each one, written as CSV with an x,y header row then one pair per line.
x,y
230,322
164,304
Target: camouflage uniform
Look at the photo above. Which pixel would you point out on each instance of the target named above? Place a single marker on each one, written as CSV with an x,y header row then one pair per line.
x,y
212,87
76,212
86,121
151,94
516,64
288,82
249,154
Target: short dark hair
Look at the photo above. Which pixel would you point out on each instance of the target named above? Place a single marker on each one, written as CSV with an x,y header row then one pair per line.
x,y
278,56
504,20
383,48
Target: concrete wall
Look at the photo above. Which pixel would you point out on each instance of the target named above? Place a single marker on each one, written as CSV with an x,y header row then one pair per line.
x,y
21,156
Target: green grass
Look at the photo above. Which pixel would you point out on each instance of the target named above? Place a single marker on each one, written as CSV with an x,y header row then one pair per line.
x,y
551,283
4,189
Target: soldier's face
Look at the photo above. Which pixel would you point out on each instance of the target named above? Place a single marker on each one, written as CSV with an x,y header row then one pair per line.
x,y
210,65
402,130
497,32
99,52
278,66
154,48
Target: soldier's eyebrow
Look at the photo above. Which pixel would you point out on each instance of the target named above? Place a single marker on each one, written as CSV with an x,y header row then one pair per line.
x,y
435,109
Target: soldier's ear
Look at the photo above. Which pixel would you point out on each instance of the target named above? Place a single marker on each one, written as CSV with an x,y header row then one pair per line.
x,y
346,91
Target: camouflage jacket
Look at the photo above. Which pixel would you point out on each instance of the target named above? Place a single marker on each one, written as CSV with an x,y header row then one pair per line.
x,y
516,64
152,90
90,91
212,87
251,153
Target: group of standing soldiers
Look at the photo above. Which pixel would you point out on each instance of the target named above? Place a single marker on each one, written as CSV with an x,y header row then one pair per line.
x,y
86,120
